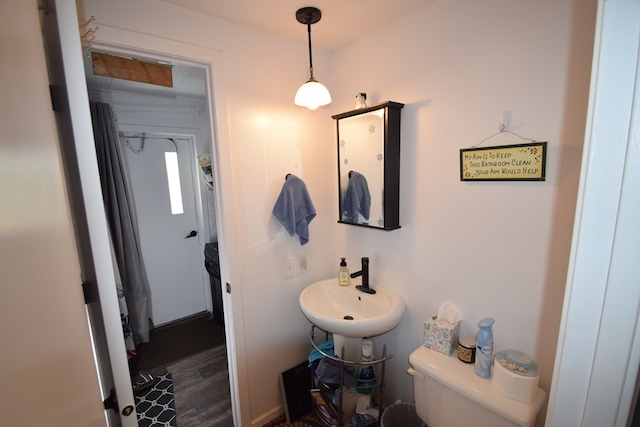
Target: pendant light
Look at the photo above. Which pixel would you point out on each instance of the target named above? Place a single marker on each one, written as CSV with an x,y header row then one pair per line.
x,y
312,94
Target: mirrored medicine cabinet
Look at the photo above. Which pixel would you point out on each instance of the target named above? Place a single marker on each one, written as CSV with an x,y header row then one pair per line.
x,y
369,166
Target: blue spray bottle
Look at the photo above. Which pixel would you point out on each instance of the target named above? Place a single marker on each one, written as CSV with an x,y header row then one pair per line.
x,y
484,351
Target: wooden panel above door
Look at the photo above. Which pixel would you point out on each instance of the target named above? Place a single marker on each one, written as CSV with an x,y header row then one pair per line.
x,y
131,69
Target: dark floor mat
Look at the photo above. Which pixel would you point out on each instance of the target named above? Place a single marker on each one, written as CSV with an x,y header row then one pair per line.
x,y
156,407
310,420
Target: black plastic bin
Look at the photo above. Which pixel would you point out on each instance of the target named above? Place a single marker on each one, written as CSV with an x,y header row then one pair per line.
x,y
212,264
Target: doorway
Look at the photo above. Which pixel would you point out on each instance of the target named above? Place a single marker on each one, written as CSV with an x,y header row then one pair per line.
x,y
157,127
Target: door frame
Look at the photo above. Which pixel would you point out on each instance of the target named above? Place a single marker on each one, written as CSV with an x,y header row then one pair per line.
x,y
63,54
143,46
598,353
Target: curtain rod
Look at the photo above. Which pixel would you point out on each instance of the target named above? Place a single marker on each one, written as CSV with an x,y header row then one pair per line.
x,y
152,136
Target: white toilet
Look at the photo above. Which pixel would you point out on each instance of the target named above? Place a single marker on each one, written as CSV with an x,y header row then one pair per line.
x,y
448,393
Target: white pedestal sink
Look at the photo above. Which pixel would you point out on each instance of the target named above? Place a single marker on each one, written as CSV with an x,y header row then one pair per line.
x,y
350,314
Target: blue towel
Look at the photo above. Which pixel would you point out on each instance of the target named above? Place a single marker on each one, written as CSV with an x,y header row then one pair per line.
x,y
294,208
326,346
357,198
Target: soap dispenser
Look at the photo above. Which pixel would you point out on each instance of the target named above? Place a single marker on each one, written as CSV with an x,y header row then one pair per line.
x,y
343,273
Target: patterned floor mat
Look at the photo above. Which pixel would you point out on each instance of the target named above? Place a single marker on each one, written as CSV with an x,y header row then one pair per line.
x,y
156,406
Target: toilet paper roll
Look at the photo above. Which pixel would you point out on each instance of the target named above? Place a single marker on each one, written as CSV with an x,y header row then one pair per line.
x,y
518,381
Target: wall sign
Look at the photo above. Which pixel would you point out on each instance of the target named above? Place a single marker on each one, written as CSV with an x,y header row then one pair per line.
x,y
521,162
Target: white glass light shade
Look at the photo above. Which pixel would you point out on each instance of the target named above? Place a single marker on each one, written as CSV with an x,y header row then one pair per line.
x,y
312,95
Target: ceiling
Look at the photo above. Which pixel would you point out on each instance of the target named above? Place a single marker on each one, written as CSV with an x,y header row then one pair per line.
x,y
343,21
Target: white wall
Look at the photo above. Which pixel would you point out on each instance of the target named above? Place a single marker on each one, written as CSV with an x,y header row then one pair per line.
x,y
47,370
496,249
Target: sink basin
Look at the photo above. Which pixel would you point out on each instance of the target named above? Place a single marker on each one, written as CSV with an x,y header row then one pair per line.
x,y
345,311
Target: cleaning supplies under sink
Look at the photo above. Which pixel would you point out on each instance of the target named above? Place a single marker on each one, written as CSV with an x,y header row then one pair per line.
x,y
366,382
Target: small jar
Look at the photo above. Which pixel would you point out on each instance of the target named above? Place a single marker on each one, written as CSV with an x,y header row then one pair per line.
x,y
467,349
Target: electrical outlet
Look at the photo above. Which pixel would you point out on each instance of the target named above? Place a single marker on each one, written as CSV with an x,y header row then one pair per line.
x,y
290,270
303,264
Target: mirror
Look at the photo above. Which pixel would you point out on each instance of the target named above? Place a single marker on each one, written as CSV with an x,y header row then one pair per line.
x,y
369,166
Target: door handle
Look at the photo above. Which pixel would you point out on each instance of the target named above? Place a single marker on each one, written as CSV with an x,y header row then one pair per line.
x,y
193,233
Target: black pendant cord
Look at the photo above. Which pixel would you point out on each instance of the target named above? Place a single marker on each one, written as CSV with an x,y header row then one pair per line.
x,y
310,54
309,16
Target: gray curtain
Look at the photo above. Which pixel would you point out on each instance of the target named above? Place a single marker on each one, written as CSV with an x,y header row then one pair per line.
x,y
121,219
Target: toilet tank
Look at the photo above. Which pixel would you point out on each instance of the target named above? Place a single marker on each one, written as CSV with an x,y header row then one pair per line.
x,y
448,393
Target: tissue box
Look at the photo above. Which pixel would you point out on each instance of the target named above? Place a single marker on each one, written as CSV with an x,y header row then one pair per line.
x,y
441,336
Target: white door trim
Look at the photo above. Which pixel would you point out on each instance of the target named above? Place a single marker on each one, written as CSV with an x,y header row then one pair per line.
x,y
598,351
116,40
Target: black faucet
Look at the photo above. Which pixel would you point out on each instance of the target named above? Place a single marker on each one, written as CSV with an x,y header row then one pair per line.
x,y
365,277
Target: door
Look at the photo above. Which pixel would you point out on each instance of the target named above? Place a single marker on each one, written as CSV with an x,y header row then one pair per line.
x,y
71,106
168,223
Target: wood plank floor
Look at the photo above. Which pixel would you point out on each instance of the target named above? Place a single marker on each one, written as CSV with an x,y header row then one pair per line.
x,y
177,340
201,388
193,350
